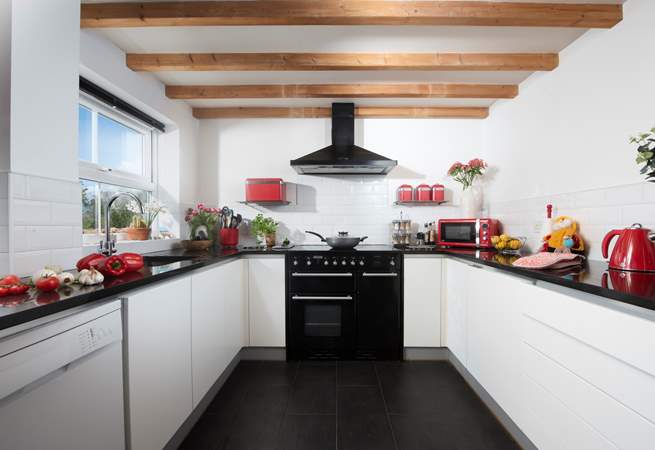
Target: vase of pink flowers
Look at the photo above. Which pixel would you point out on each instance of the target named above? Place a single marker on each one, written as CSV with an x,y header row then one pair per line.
x,y
466,174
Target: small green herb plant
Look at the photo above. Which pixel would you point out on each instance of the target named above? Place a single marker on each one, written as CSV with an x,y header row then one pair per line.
x,y
261,226
646,153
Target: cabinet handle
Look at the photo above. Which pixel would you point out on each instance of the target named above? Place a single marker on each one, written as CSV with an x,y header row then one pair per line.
x,y
391,274
309,297
297,274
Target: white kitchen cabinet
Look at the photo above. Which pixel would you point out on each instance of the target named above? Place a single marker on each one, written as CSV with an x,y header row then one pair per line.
x,y
158,326
457,275
218,322
266,303
422,301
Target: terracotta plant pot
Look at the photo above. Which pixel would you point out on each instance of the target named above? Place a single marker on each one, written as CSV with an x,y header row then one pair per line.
x,y
270,239
138,234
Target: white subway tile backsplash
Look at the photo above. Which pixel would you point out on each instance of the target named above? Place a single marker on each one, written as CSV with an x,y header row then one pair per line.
x,y
49,237
631,194
4,263
53,190
4,185
26,263
29,212
66,258
4,212
20,239
4,239
18,186
76,237
66,213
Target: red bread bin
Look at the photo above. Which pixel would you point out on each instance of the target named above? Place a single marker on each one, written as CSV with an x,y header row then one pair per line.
x,y
265,190
423,193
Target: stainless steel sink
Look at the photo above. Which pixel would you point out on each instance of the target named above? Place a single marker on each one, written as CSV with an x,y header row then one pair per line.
x,y
162,260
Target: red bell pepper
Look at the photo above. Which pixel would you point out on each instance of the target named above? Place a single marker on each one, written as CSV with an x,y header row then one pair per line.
x,y
85,263
111,266
134,261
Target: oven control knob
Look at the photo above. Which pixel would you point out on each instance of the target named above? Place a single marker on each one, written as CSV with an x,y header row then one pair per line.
x,y
352,263
334,263
344,262
295,262
361,262
309,263
326,263
392,263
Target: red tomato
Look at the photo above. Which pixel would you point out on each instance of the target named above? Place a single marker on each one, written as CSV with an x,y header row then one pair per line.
x,y
18,289
9,280
47,284
4,291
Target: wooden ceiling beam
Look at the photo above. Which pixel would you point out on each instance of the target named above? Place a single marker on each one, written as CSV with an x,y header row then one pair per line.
x,y
349,12
402,90
155,62
408,112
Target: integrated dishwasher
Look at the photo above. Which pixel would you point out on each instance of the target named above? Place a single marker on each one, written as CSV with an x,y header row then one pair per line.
x,y
61,382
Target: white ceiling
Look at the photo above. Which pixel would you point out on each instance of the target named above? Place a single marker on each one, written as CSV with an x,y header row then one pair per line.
x,y
342,39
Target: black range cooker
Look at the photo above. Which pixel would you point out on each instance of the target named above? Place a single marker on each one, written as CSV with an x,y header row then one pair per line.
x,y
344,304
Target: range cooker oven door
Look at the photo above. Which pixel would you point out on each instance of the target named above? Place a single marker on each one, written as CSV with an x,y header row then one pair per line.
x,y
379,316
321,315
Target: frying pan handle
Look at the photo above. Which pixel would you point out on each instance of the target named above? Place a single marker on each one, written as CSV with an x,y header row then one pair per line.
x,y
362,239
317,235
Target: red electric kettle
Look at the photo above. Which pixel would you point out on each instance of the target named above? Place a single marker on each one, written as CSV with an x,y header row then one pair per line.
x,y
633,251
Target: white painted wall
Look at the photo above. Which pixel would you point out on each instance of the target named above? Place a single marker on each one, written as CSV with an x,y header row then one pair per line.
x,y
234,150
5,83
564,139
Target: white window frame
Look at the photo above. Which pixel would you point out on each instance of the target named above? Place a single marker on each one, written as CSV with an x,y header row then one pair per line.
x,y
97,173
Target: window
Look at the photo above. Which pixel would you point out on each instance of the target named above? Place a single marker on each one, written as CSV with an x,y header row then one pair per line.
x,y
116,155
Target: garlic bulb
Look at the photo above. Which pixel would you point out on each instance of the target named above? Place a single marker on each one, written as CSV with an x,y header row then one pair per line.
x,y
66,278
43,273
89,277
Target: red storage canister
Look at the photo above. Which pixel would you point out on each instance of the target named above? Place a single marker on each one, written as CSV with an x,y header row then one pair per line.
x,y
265,190
404,193
438,193
423,193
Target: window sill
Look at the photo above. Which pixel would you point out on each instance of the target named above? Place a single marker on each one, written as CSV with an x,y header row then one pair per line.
x,y
153,245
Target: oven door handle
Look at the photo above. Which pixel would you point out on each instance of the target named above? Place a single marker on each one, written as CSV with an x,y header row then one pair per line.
x,y
302,274
388,274
322,297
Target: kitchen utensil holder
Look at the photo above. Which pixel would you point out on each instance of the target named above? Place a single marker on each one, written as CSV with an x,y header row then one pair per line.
x,y
229,237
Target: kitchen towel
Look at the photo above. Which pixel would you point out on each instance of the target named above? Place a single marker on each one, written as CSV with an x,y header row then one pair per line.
x,y
547,260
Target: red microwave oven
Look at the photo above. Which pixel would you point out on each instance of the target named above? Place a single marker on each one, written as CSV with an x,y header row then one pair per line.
x,y
475,233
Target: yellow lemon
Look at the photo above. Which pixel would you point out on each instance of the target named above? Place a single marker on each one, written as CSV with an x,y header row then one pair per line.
x,y
494,240
504,237
501,245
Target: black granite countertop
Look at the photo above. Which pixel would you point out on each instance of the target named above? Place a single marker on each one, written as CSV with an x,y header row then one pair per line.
x,y
627,287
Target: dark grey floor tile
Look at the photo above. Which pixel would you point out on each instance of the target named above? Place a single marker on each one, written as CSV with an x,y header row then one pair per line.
x,y
359,400
253,431
313,398
268,399
308,432
439,431
365,432
277,373
317,373
355,373
210,432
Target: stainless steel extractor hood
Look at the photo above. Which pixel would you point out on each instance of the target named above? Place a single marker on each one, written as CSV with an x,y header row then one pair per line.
x,y
343,157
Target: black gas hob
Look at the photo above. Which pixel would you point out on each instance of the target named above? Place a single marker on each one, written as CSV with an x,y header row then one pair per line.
x,y
344,304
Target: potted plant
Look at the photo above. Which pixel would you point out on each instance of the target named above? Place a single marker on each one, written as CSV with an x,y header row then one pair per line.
x,y
264,228
646,153
140,228
471,193
202,224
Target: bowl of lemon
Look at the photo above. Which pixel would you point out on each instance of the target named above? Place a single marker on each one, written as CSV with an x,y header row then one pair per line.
x,y
508,245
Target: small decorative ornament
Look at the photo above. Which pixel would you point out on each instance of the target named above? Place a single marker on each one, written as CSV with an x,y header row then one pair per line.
x,y
564,237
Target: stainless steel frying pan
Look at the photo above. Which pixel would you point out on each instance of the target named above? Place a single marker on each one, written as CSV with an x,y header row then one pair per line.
x,y
342,241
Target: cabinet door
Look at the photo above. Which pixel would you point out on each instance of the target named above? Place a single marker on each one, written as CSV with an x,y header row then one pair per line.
x,y
422,301
266,302
217,322
159,362
457,279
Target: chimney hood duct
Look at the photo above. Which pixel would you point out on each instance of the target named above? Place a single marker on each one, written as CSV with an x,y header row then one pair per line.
x,y
343,157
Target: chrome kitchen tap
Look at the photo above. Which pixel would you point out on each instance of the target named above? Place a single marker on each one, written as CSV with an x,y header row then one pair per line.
x,y
108,246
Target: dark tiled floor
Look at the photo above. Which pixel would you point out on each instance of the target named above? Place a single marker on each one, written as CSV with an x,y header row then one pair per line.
x,y
347,406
